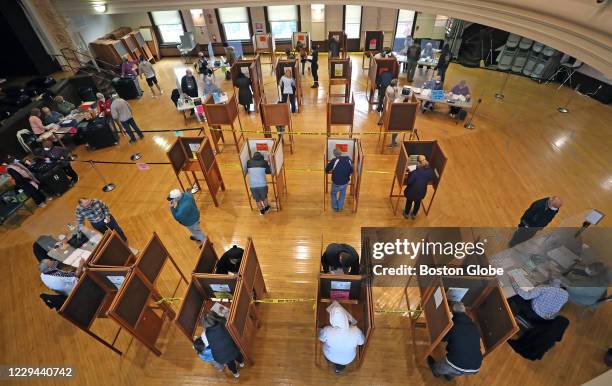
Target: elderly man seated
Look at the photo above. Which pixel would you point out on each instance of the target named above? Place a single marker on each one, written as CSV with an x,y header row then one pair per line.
x,y
56,279
463,90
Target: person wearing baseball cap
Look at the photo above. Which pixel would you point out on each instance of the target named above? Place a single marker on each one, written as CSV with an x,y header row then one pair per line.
x,y
186,212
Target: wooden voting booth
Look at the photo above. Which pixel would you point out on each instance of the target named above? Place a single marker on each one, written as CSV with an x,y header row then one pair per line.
x,y
273,149
407,159
378,66
399,116
125,295
223,114
341,114
274,115
483,299
251,68
111,251
264,44
189,155
354,293
340,75
341,37
303,37
374,41
233,291
294,66
351,148
141,44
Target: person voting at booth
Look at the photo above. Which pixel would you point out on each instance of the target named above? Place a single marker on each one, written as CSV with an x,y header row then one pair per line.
x,y
463,356
257,168
202,348
383,81
185,210
58,280
230,261
540,303
391,94
539,214
245,94
340,259
288,88
416,186
586,284
341,338
341,169
334,47
223,348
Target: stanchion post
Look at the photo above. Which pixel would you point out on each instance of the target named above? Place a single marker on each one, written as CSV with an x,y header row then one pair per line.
x,y
108,186
563,109
469,125
500,95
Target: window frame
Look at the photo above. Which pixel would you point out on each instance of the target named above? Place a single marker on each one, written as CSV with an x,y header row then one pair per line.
x,y
269,25
360,20
222,30
397,21
160,39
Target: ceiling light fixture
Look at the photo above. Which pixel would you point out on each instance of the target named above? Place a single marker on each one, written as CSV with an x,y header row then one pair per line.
x,y
99,7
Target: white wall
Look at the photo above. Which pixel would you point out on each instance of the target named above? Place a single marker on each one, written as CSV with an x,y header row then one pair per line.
x,y
91,27
133,20
379,19
258,16
333,18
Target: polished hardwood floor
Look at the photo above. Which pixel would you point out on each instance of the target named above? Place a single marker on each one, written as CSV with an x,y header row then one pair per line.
x,y
521,149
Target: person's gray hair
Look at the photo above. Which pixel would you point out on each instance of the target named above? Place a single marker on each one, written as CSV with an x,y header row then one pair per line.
x,y
211,319
458,307
394,82
337,152
115,96
99,95
43,266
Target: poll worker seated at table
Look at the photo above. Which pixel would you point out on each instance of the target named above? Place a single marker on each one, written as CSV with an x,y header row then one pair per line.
x,y
460,88
463,356
210,87
63,106
434,84
341,338
25,180
540,303
586,284
427,52
36,123
340,259
341,169
230,261
385,53
56,279
223,348
416,186
539,214
189,84
257,168
60,155
49,116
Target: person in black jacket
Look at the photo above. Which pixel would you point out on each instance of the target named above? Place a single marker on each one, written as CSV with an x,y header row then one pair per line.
x,y
536,217
341,169
61,155
384,80
443,62
230,261
189,84
223,348
245,96
25,180
416,188
340,258
314,65
463,354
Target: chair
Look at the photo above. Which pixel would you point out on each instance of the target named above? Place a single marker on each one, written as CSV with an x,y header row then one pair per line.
x,y
26,139
187,46
568,66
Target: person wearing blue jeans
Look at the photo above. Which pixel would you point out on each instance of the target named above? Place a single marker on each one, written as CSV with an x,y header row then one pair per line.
x,y
99,216
185,210
122,111
341,169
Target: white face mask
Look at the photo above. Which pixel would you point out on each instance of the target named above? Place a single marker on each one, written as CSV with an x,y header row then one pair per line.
x,y
553,208
47,148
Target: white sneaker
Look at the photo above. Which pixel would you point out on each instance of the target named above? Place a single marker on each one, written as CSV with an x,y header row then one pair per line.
x,y
236,375
153,96
161,92
241,365
49,199
42,205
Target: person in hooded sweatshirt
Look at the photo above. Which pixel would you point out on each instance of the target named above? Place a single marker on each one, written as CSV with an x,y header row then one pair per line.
x,y
223,348
340,339
257,168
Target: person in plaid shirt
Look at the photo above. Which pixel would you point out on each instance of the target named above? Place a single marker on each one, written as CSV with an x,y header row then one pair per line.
x,y
542,302
98,215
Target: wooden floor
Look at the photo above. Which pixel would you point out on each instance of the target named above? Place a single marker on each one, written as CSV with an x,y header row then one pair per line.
x,y
521,150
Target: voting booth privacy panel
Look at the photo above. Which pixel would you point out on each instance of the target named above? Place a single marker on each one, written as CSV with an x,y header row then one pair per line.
x,y
233,291
482,296
407,160
128,295
378,66
303,37
340,71
189,155
272,149
351,148
251,68
340,114
274,115
399,116
264,44
373,45
223,114
294,66
341,37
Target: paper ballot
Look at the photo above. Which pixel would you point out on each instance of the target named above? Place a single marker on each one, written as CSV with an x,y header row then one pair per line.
x,y
521,280
456,294
76,256
412,168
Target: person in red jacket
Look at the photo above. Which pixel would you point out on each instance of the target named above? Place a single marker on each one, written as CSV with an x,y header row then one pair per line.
x,y
103,105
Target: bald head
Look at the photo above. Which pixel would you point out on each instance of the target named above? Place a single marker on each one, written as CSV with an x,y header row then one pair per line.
x,y
189,72
555,202
422,160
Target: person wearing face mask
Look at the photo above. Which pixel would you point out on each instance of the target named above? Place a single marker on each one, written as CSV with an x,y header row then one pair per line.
x,y
340,259
416,186
230,261
61,155
434,84
539,214
185,210
340,339
189,84
210,87
25,180
586,284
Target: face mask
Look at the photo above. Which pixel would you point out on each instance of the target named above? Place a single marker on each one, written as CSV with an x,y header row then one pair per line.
x,y
47,148
554,209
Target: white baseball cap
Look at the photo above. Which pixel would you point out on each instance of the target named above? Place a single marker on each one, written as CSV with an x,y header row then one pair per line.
x,y
174,193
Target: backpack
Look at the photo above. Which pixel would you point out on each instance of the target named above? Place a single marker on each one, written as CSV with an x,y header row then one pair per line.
x,y
53,301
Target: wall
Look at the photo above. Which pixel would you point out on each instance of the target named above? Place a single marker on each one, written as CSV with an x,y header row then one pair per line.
x,y
426,27
133,20
91,27
379,19
258,16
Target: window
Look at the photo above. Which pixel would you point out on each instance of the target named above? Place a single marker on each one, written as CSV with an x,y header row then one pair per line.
x,y
170,26
283,20
440,21
235,23
405,20
352,21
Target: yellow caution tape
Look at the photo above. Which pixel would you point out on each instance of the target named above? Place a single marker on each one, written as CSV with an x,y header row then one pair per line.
x,y
167,300
282,301
231,165
309,132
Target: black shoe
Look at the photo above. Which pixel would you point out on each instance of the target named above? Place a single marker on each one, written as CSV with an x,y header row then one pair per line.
x,y
142,137
266,209
405,214
430,363
262,211
448,377
193,238
132,141
316,85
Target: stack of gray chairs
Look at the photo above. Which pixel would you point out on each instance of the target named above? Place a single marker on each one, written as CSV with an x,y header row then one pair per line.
x,y
506,56
533,59
521,55
547,63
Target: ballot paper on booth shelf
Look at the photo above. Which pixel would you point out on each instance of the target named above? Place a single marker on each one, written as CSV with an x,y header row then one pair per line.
x,y
220,310
334,305
412,168
455,294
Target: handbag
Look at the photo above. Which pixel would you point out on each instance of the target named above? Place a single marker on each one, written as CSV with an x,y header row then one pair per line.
x,y
77,240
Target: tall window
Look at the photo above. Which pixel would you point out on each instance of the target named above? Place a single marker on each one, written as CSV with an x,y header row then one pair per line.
x,y
235,23
352,21
283,20
170,26
405,20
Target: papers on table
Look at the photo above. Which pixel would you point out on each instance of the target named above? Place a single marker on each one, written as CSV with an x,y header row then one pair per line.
x,y
76,256
563,256
521,279
412,168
